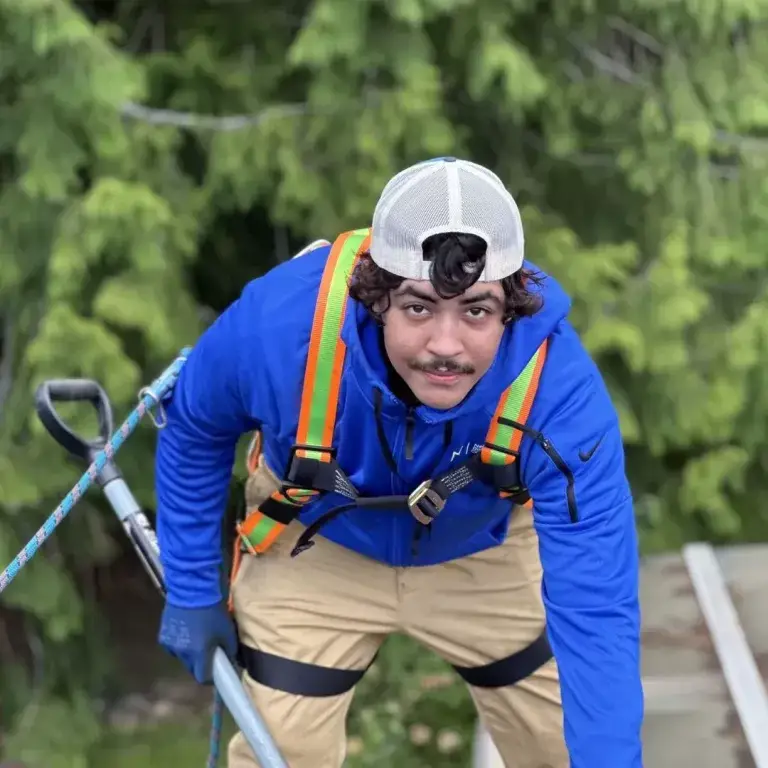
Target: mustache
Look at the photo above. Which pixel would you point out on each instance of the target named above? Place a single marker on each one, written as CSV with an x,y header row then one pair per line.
x,y
441,365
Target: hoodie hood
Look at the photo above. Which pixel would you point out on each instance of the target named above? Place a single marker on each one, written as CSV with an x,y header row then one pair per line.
x,y
521,339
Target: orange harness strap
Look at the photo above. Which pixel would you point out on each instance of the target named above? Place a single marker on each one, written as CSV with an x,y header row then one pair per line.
x,y
320,395
319,402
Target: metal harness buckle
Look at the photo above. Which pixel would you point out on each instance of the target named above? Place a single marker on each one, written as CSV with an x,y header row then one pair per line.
x,y
425,503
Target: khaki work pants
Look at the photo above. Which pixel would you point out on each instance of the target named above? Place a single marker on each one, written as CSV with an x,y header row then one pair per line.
x,y
332,607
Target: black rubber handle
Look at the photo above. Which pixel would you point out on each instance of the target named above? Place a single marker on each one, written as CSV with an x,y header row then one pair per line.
x,y
68,391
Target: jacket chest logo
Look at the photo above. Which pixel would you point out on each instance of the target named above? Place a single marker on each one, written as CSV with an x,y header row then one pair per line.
x,y
466,450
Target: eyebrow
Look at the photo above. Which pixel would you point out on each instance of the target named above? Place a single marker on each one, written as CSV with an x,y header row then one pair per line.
x,y
484,296
409,290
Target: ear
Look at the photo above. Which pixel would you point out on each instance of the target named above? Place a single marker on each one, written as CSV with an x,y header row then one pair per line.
x,y
380,308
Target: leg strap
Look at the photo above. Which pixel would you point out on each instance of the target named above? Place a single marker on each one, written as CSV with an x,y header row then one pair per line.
x,y
302,679
512,669
298,677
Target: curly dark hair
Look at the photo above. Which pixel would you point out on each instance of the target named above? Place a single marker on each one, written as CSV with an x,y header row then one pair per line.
x,y
457,259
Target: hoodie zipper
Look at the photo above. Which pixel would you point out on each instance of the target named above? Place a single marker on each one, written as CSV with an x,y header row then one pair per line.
x,y
410,423
559,462
391,451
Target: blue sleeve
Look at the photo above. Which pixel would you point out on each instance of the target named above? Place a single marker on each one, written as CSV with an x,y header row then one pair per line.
x,y
591,566
207,414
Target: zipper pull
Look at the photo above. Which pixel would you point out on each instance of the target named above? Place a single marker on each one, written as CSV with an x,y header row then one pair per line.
x,y
410,422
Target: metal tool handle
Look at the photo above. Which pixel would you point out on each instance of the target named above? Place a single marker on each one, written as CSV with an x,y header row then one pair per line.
x,y
225,678
142,536
68,391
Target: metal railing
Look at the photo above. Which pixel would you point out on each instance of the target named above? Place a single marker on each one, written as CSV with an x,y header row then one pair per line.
x,y
670,695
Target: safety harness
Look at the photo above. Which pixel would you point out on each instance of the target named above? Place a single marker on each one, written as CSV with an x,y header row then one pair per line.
x,y
312,467
313,470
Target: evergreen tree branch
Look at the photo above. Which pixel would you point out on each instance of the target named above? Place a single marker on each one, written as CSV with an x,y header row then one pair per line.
x,y
224,123
210,122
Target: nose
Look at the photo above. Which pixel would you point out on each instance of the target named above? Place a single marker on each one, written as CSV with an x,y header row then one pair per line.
x,y
445,337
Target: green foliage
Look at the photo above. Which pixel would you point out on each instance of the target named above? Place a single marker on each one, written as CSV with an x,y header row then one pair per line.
x,y
631,133
69,731
411,710
168,743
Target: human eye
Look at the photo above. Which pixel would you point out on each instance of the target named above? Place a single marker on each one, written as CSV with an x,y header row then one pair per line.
x,y
478,313
416,310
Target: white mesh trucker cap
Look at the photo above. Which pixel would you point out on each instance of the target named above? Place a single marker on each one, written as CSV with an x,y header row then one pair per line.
x,y
446,195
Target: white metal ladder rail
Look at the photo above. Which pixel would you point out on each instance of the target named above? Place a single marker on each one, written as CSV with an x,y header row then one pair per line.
x,y
737,662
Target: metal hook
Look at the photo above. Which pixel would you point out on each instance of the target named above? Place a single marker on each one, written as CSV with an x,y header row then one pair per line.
x,y
143,392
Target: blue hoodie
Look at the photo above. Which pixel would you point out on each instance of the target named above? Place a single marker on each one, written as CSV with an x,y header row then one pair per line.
x,y
246,373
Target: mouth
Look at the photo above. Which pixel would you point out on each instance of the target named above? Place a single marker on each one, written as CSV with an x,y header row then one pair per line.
x,y
443,378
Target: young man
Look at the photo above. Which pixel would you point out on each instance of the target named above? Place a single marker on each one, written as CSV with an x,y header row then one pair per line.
x,y
452,392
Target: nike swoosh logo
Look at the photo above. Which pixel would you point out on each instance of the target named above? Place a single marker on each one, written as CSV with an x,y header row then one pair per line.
x,y
587,455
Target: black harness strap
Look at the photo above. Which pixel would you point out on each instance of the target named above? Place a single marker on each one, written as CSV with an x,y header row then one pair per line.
x,y
500,477
297,677
425,503
283,511
511,669
315,475
303,679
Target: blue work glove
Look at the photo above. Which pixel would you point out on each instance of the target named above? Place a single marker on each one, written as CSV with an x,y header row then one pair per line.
x,y
193,634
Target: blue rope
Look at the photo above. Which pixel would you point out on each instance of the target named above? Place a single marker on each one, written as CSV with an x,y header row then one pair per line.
x,y
152,396
217,719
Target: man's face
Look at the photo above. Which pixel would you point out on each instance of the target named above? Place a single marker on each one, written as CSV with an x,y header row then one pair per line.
x,y
442,347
